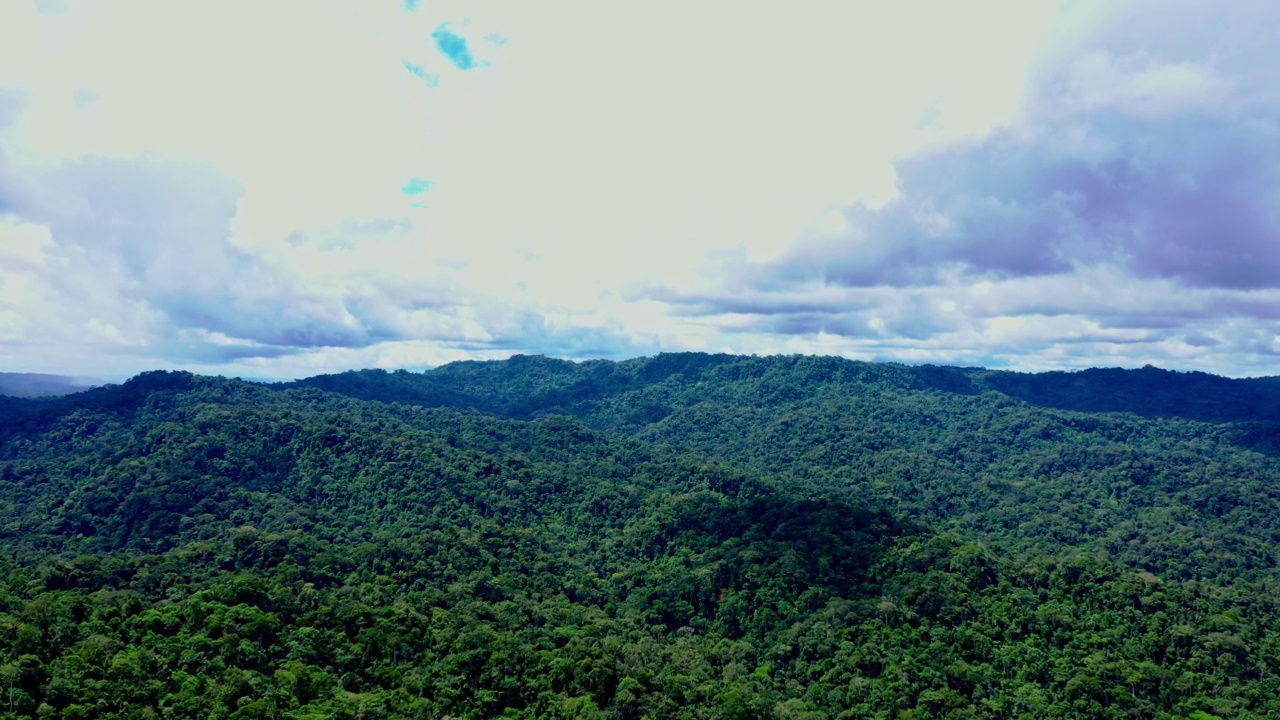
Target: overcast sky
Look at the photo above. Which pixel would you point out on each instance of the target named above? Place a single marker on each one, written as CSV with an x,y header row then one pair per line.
x,y
278,189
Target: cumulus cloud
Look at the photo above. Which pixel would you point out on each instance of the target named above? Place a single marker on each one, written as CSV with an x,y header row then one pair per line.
x,y
126,265
1189,197
11,103
1128,211
247,190
136,254
184,212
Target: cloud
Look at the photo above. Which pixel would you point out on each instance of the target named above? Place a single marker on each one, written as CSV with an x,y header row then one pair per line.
x,y
164,225
11,103
9,190
1190,198
1128,211
104,237
1074,184
133,259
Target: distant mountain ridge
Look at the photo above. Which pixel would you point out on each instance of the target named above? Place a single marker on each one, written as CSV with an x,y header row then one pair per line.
x,y
40,384
547,385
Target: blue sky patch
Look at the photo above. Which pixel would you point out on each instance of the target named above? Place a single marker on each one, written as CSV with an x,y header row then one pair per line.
x,y
453,46
415,69
430,78
416,186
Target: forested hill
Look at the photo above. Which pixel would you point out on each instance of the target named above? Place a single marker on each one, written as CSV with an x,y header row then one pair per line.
x,y
695,536
525,386
993,454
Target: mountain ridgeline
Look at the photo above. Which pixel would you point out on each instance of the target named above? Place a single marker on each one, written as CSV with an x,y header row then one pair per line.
x,y
39,385
685,536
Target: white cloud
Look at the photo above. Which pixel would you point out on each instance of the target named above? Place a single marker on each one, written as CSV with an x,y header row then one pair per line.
x,y
1140,85
23,242
194,183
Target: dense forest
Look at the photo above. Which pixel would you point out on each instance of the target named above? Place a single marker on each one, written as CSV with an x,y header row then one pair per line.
x,y
682,536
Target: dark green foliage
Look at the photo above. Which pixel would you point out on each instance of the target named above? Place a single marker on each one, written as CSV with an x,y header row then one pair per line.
x,y
1149,391
681,536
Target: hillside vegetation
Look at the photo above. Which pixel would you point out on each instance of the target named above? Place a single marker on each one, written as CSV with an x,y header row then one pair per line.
x,y
685,536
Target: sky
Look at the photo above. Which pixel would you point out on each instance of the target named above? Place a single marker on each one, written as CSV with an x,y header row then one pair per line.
x,y
282,189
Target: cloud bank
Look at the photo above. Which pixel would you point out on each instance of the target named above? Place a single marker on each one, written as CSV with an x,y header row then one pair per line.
x,y
1126,214
297,188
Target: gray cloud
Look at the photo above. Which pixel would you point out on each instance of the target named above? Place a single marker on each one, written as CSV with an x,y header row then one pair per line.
x,y
13,193
1131,210
348,235
272,324
1152,146
700,304
164,225
157,234
1129,213
11,104
1191,199
213,354
522,330
143,253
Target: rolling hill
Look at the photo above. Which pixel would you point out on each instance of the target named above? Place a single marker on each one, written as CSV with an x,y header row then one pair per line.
x,y
700,536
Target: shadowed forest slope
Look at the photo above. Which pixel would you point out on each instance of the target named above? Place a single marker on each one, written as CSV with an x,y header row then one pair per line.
x,y
1165,479
681,536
